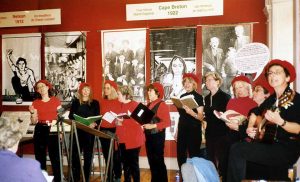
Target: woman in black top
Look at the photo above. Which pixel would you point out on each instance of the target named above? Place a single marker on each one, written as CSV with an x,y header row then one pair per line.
x,y
216,129
284,151
84,106
189,136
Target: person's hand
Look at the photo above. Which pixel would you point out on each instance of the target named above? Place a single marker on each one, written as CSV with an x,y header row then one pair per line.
x,y
188,110
251,132
9,52
119,121
233,125
274,117
93,125
149,126
31,109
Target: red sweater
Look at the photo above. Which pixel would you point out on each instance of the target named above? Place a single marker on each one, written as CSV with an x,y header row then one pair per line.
x,y
131,132
106,106
163,113
242,105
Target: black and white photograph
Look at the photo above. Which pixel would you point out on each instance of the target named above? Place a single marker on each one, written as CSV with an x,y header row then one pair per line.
x,y
220,44
172,54
65,62
21,67
123,59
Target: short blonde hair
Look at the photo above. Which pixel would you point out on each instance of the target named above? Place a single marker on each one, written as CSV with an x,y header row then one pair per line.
x,y
215,75
245,84
10,133
191,80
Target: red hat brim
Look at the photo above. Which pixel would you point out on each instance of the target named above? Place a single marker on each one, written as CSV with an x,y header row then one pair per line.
x,y
285,64
240,78
48,84
192,76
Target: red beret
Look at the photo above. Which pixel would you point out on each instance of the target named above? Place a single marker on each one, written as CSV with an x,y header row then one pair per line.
x,y
159,88
284,64
192,76
82,85
111,83
44,82
240,78
261,81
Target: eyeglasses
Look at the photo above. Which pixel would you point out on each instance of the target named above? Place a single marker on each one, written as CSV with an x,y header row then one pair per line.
x,y
274,73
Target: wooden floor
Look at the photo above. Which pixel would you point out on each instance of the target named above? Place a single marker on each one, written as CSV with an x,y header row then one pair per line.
x,y
145,176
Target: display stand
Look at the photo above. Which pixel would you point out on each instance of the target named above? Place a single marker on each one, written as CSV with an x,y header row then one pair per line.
x,y
96,133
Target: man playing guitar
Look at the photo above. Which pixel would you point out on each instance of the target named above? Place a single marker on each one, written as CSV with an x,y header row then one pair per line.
x,y
284,150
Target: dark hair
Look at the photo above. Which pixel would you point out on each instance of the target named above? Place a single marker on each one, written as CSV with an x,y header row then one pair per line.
x,y
152,87
287,73
21,59
181,60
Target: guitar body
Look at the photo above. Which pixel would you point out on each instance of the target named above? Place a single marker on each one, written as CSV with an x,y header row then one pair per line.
x,y
268,133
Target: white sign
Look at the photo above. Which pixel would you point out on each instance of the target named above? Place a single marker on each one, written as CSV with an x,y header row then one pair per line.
x,y
175,9
30,18
252,58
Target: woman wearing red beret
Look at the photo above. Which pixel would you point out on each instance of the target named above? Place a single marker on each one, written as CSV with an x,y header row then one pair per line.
x,y
43,111
84,106
111,103
284,150
155,133
189,137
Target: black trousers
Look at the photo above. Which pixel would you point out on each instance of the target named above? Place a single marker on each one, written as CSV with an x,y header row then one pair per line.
x,y
279,154
44,140
130,160
105,144
214,149
155,144
86,145
189,140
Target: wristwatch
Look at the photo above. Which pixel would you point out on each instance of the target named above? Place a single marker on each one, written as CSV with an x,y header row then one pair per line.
x,y
284,123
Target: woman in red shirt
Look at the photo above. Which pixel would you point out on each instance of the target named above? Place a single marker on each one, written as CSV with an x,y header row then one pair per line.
x,y
155,133
131,136
43,113
110,103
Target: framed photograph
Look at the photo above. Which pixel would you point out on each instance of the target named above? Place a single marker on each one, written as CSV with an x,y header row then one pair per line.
x,y
123,59
172,52
21,67
65,62
220,44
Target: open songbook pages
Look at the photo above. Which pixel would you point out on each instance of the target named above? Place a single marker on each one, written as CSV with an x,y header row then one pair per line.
x,y
86,121
230,116
111,116
188,100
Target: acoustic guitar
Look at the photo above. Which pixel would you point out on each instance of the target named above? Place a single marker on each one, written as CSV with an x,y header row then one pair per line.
x,y
267,131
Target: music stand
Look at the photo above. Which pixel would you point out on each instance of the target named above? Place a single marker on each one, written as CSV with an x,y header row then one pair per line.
x,y
97,133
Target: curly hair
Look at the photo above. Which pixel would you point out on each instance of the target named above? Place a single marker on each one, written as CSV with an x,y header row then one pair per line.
x,y
10,133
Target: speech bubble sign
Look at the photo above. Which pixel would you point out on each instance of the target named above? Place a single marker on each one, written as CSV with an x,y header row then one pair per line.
x,y
252,58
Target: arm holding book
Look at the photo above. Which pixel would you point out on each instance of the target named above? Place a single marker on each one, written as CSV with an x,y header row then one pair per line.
x,y
198,115
163,113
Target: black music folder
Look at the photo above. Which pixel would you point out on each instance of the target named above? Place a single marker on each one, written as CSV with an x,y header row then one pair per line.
x,y
142,114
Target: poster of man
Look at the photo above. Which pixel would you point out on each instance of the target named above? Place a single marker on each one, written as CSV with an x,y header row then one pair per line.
x,y
21,64
172,54
220,44
124,59
65,62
